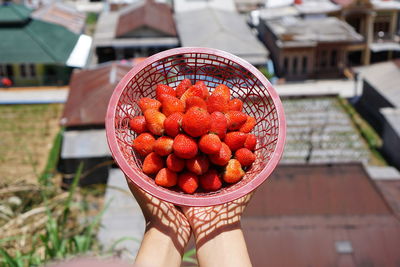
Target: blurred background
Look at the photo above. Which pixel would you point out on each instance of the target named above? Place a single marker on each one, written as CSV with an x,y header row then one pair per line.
x,y
334,199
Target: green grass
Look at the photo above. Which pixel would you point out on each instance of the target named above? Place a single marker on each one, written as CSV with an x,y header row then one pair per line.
x,y
26,136
372,139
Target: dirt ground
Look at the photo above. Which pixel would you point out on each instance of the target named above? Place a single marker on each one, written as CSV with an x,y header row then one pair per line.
x,y
27,133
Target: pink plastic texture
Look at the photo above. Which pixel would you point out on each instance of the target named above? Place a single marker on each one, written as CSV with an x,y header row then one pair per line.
x,y
214,67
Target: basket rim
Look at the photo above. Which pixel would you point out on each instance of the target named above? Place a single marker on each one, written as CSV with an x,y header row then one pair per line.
x,y
186,199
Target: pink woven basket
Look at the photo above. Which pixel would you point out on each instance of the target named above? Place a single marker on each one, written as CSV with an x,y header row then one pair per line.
x,y
214,67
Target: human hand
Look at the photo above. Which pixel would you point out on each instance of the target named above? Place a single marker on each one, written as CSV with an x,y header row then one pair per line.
x,y
166,224
207,222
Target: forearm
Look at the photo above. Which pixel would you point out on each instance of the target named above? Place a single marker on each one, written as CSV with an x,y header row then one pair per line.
x,y
158,249
227,248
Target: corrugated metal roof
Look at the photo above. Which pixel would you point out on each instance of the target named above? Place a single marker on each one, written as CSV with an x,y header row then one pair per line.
x,y
90,91
157,16
322,215
62,14
36,42
384,78
309,32
14,13
219,29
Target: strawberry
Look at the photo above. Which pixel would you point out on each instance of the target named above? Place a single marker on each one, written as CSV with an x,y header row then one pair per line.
x,y
196,122
152,163
194,90
235,104
204,88
235,140
182,87
248,125
219,125
235,119
210,144
198,164
163,145
222,90
138,124
172,124
184,146
174,163
222,157
233,171
167,178
251,142
148,103
210,181
245,157
171,104
163,89
217,103
155,121
188,182
197,101
143,144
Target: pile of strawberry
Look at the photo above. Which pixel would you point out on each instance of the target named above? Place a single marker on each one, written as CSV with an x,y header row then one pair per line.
x,y
193,139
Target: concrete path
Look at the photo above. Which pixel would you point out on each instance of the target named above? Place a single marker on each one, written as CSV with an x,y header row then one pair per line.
x,y
122,219
34,95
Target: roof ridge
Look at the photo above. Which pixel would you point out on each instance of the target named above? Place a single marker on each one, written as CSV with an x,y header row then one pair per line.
x,y
42,45
19,14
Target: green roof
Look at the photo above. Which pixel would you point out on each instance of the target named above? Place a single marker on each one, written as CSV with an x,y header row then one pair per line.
x,y
13,13
36,42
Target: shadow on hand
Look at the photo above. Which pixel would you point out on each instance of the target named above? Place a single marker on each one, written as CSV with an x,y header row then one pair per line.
x,y
163,216
208,222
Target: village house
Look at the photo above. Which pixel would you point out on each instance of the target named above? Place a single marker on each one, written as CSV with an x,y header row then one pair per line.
x,y
379,104
221,29
139,30
309,48
36,52
84,138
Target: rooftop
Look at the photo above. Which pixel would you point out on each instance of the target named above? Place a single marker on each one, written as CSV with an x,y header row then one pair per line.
x,y
36,41
142,23
313,214
392,116
292,31
62,14
320,131
90,91
384,78
220,29
14,13
190,5
317,7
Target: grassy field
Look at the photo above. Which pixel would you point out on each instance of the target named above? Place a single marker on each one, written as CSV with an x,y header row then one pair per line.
x,y
27,134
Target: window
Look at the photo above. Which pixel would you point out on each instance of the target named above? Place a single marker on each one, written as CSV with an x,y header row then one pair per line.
x,y
22,69
27,70
304,65
323,61
294,65
334,58
2,70
285,65
32,69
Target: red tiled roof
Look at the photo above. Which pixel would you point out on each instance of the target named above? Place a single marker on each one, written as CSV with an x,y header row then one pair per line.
x,y
157,16
303,212
90,91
